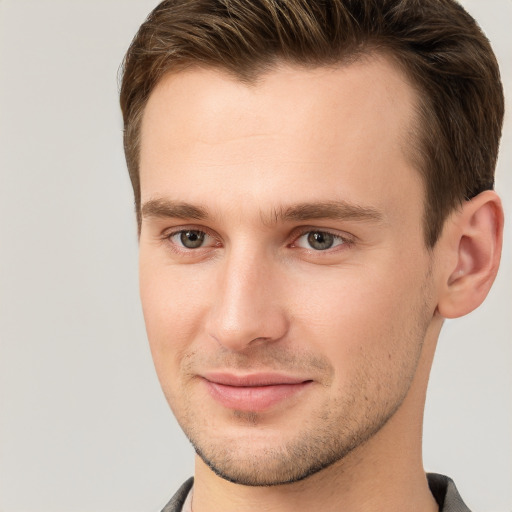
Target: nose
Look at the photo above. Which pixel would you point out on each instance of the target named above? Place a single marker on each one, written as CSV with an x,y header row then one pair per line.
x,y
246,308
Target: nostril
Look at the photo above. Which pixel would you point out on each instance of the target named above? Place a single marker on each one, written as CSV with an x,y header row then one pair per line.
x,y
260,338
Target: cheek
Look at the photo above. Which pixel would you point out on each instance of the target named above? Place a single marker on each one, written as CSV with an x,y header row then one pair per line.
x,y
359,314
173,305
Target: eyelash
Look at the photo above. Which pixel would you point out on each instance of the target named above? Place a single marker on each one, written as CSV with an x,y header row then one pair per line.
x,y
180,249
345,240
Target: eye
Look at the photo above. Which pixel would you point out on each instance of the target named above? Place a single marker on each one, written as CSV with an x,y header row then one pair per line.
x,y
189,238
319,240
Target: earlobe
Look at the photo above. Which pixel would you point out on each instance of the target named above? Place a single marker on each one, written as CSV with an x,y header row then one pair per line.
x,y
473,249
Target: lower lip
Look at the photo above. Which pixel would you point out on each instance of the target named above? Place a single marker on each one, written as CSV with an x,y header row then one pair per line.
x,y
254,398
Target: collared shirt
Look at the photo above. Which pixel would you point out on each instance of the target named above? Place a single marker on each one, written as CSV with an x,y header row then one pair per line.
x,y
443,489
187,506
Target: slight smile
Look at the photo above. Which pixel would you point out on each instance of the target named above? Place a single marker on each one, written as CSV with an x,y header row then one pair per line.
x,y
255,392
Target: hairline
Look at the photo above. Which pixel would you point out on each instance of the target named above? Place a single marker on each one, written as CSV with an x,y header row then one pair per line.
x,y
412,148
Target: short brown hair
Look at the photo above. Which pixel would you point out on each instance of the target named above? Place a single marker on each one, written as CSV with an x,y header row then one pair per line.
x,y
435,42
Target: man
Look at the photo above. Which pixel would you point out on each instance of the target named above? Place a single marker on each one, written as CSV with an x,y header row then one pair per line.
x,y
313,187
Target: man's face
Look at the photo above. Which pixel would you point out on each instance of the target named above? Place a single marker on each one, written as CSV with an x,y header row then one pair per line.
x,y
284,278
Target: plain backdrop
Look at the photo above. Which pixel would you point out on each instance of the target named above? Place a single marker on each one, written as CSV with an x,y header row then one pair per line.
x,y
83,423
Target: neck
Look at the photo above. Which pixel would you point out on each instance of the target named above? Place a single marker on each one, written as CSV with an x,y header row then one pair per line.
x,y
384,474
383,482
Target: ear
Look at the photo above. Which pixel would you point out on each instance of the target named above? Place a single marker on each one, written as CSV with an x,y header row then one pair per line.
x,y
469,253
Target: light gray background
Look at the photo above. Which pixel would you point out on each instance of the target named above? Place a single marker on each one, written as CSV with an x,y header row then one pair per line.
x,y
83,423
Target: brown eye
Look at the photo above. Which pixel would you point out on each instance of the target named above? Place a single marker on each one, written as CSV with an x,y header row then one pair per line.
x,y
191,238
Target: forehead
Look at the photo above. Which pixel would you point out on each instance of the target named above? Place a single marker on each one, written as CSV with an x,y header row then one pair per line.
x,y
306,132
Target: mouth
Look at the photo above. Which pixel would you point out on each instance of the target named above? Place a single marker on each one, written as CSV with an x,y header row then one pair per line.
x,y
254,392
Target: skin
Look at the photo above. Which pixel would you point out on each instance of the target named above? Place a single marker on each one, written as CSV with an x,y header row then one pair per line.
x,y
257,169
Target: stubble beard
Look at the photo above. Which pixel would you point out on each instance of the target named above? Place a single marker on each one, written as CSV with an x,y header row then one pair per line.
x,y
308,453
328,435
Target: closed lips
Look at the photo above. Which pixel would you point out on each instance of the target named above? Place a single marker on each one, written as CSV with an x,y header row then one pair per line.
x,y
254,393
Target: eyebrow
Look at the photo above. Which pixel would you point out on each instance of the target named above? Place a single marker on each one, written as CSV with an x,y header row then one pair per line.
x,y
335,210
165,208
